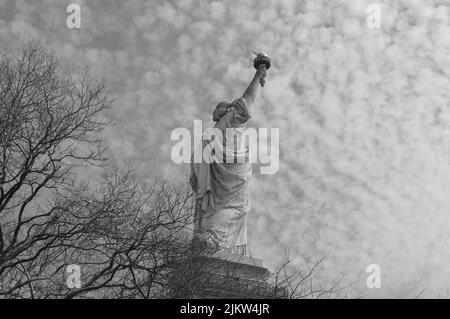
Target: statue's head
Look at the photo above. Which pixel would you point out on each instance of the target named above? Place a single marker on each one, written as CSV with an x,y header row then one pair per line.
x,y
220,110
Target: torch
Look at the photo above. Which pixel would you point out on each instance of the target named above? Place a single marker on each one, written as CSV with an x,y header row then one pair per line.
x,y
261,59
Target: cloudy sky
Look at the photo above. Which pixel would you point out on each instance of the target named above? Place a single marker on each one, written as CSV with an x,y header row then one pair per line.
x,y
363,115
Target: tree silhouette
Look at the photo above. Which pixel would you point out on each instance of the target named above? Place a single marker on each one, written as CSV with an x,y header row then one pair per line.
x,y
129,238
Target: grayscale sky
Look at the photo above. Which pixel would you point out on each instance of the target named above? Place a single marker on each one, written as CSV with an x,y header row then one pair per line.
x,y
363,116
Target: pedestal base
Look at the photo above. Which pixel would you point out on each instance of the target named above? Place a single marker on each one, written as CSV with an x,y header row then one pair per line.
x,y
229,276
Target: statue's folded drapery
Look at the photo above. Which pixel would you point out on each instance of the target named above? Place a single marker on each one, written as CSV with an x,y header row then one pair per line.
x,y
222,189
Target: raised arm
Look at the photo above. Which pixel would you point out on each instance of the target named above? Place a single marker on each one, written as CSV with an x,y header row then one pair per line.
x,y
259,78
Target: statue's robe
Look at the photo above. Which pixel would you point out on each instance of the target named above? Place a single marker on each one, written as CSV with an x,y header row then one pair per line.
x,y
222,189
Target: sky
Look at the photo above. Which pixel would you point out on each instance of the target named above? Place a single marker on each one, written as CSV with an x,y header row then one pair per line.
x,y
363,115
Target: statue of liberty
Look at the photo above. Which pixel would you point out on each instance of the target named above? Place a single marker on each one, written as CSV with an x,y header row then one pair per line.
x,y
222,186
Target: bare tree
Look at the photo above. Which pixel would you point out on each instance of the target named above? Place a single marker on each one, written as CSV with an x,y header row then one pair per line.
x,y
48,122
125,237
123,234
130,239
302,282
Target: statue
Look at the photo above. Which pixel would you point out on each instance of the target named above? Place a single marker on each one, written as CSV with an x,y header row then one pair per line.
x,y
222,186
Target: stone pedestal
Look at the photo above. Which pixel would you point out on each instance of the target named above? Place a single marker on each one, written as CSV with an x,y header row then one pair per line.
x,y
228,276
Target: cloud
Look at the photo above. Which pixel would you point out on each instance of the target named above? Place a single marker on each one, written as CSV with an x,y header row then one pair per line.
x,y
363,115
